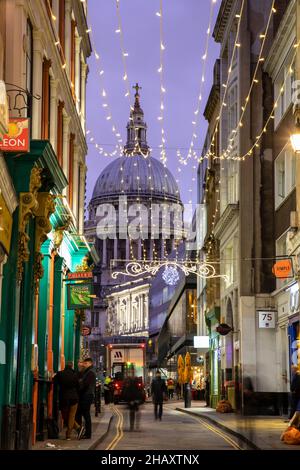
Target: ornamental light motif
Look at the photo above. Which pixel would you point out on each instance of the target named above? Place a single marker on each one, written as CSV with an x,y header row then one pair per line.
x,y
138,268
170,275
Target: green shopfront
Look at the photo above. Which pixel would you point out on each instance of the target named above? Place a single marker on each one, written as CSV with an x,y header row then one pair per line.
x,y
37,329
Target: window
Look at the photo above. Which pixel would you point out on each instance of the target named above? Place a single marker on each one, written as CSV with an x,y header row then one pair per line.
x,y
79,193
280,167
285,175
283,89
61,26
29,66
45,130
60,124
232,184
232,109
228,265
71,168
73,51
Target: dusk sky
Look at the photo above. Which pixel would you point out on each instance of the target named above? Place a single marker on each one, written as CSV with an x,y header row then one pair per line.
x,y
185,24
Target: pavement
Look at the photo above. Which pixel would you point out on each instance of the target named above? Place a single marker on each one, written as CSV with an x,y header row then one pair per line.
x,y
200,423
100,429
258,432
176,431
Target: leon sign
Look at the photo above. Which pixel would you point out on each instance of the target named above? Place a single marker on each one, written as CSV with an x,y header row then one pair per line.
x,y
17,137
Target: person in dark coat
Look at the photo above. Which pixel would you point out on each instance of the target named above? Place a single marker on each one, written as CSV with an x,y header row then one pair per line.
x,y
87,385
132,394
159,392
68,383
207,389
295,389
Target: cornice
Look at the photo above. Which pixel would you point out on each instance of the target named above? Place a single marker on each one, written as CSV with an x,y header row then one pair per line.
x,y
222,19
226,218
283,41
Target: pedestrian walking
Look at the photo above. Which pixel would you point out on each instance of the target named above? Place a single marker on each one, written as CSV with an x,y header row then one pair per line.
x,y
207,389
108,394
178,391
295,389
159,393
132,395
170,386
68,383
87,385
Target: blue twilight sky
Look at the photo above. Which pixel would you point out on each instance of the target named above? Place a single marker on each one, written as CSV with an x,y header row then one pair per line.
x,y
185,24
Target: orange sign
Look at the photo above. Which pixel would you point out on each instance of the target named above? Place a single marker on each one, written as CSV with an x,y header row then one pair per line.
x,y
17,138
283,269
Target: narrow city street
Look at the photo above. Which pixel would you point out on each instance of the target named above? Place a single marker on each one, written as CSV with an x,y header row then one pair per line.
x,y
176,431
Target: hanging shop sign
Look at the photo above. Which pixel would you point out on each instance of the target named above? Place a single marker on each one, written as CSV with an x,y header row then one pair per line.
x,y
3,110
79,296
80,275
223,329
6,222
17,137
86,330
266,319
283,269
201,342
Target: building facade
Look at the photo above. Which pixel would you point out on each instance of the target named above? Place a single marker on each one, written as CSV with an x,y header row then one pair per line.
x,y
44,220
241,228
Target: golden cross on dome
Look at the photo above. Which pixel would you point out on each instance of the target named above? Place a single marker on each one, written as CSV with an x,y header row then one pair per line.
x,y
137,88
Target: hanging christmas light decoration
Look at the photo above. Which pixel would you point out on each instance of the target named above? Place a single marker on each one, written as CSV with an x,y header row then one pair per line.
x,y
139,268
170,275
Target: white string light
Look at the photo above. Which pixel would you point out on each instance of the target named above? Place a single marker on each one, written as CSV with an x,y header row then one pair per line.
x,y
163,155
202,81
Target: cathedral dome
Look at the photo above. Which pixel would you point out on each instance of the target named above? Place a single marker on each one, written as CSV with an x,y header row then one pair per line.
x,y
136,173
136,176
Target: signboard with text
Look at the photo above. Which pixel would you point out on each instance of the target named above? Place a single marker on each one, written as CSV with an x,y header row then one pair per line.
x,y
79,296
266,319
283,269
17,137
80,275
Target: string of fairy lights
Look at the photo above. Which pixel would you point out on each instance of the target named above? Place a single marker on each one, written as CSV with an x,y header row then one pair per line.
x,y
195,120
257,141
226,154
161,117
211,153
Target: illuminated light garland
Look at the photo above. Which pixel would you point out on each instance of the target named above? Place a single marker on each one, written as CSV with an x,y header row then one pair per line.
x,y
163,155
105,102
225,154
202,81
125,54
171,275
139,268
230,68
264,130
